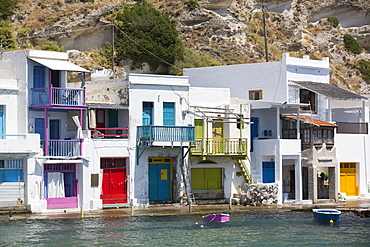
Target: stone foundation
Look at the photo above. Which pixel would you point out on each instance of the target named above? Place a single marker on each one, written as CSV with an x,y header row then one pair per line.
x,y
259,194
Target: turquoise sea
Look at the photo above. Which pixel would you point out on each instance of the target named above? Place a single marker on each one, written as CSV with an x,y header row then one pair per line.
x,y
280,228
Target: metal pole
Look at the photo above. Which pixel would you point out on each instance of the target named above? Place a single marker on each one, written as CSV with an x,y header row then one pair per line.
x,y
264,32
113,49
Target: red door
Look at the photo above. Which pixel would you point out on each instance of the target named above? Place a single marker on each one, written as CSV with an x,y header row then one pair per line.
x,y
114,186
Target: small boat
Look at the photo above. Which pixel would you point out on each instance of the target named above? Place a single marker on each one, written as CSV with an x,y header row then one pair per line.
x,y
216,218
329,215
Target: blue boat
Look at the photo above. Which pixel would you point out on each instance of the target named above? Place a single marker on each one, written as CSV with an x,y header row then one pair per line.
x,y
329,215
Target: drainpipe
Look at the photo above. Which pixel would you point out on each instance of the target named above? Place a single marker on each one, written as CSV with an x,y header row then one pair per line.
x,y
46,132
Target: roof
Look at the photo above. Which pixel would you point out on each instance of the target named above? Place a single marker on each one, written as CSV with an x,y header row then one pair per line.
x,y
309,120
55,64
329,90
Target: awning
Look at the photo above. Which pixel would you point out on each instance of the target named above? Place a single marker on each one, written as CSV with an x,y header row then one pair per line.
x,y
329,90
309,120
63,65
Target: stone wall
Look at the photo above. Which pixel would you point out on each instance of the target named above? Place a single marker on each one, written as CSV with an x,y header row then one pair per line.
x,y
259,194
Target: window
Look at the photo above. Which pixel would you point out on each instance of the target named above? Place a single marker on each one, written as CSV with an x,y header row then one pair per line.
x,y
168,113
11,171
147,113
308,97
255,94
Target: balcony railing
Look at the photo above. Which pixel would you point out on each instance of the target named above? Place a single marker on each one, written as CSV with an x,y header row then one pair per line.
x,y
230,146
352,128
66,148
58,97
109,133
146,135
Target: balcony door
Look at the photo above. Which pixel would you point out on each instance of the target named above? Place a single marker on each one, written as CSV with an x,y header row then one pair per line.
x,y
147,113
217,136
54,129
168,113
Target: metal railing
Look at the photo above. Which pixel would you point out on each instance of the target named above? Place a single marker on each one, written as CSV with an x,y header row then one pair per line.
x,y
66,148
58,97
230,146
352,128
108,133
146,135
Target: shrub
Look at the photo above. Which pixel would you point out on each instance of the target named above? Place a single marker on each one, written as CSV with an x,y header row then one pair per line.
x,y
352,44
7,8
146,36
192,59
51,46
364,67
6,35
334,21
193,4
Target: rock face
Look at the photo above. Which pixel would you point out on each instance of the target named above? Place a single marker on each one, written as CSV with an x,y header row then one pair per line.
x,y
230,31
259,194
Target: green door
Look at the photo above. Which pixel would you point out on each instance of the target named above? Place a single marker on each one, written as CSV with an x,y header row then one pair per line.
x,y
207,183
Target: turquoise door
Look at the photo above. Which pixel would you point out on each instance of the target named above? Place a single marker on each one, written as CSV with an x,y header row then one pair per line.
x,y
268,171
159,182
147,114
168,113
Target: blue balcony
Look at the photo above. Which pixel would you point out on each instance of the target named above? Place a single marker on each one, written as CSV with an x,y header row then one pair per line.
x,y
54,97
147,135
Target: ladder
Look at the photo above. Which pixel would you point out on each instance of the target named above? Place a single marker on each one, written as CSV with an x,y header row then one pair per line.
x,y
245,170
187,183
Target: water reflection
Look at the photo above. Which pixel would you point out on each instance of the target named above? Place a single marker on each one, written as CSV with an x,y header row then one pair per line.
x,y
282,228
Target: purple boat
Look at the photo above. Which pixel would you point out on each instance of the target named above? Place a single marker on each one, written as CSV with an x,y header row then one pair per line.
x,y
216,218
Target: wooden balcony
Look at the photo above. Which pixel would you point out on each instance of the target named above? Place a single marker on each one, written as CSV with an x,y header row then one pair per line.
x,y
58,97
229,146
148,135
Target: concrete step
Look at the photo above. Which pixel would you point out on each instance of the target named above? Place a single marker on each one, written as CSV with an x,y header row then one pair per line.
x,y
15,210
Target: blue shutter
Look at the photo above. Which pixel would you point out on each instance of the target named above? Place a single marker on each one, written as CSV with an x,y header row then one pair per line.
x,y
1,122
40,128
168,113
38,77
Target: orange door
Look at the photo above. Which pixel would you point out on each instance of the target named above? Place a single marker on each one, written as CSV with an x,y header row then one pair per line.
x,y
114,186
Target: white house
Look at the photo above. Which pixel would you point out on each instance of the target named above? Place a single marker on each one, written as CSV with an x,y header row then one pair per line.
x,y
46,128
294,155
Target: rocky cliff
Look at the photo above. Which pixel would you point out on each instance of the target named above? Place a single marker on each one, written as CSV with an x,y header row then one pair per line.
x,y
230,31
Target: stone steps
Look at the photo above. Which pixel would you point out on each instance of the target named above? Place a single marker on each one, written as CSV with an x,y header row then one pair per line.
x,y
15,210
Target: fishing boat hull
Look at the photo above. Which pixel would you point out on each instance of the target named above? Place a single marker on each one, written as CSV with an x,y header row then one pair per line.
x,y
216,218
326,214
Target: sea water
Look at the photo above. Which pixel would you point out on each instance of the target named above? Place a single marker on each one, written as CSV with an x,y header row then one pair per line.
x,y
267,228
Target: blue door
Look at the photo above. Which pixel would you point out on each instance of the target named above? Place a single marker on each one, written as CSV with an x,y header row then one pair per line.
x,y
2,132
38,77
254,130
159,182
40,128
168,113
268,171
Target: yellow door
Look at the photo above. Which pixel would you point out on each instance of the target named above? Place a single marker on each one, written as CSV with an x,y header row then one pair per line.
x,y
348,179
217,137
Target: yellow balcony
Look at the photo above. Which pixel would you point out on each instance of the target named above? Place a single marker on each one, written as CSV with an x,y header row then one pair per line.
x,y
224,146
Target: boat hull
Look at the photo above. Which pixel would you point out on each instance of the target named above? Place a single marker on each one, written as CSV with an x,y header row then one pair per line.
x,y
326,214
216,218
